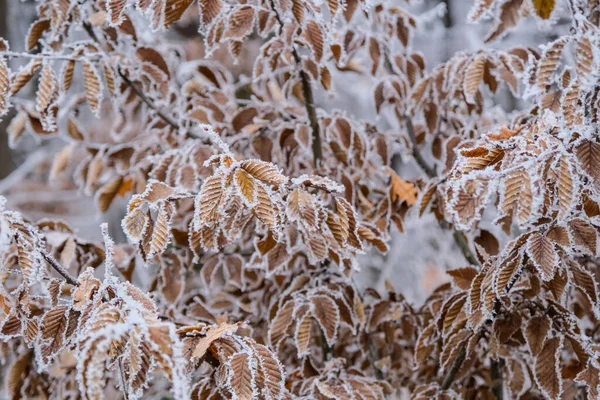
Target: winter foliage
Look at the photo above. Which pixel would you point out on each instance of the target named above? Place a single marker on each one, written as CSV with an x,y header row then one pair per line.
x,y
250,203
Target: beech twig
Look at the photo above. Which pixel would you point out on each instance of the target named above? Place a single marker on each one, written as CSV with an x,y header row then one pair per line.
x,y
58,268
453,371
308,100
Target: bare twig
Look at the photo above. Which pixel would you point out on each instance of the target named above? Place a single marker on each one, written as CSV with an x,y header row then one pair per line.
x,y
463,244
429,170
147,101
496,368
459,238
58,268
453,371
13,54
90,31
308,99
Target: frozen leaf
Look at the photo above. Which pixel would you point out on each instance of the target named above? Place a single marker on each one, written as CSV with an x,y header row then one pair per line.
x,y
535,332
36,30
93,87
473,77
549,62
212,334
547,368
161,231
47,89
24,75
302,334
240,22
264,171
241,377
327,315
541,250
584,235
208,201
314,37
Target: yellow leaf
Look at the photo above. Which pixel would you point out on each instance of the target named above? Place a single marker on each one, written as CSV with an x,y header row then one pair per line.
x,y
401,190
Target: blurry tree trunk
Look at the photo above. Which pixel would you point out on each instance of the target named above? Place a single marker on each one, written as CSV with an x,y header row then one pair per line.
x,y
6,164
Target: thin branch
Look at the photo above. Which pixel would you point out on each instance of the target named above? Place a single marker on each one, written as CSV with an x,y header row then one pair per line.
x,y
90,31
463,244
459,238
147,101
58,268
13,54
430,171
308,99
453,371
496,368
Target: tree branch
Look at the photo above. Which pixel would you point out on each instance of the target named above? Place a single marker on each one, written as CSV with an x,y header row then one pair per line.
x,y
459,238
430,171
58,268
496,368
308,99
453,371
147,101
90,31
13,54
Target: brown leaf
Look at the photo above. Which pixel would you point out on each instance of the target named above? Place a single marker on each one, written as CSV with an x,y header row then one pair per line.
x,y
545,258
115,9
517,196
462,277
240,23
245,184
588,157
584,235
401,190
590,376
161,232
47,89
93,87
241,377
265,209
549,62
209,9
24,76
584,57
302,335
327,315
174,9
264,171
54,326
510,14
212,334
209,199
36,30
473,78
107,193
314,37
281,323
547,368
88,285
535,333
298,10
